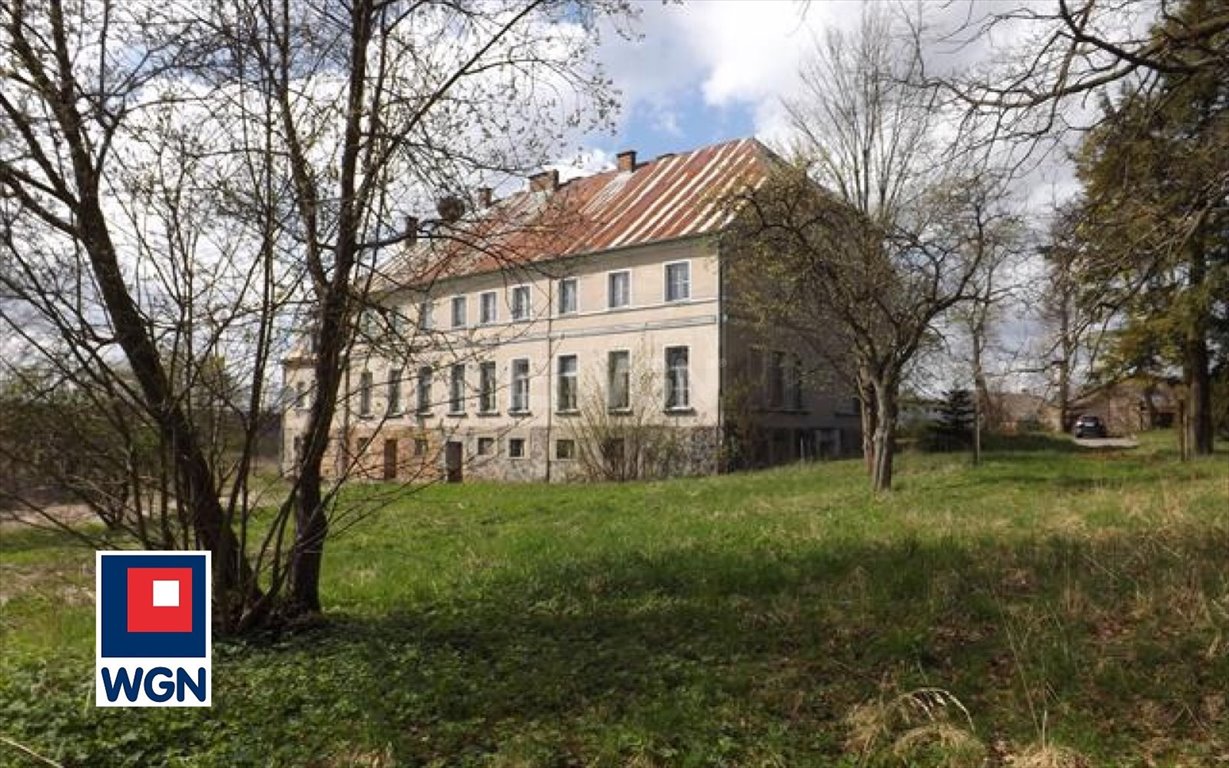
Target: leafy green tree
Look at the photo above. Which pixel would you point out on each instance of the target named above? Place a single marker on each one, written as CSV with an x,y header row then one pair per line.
x,y
1155,222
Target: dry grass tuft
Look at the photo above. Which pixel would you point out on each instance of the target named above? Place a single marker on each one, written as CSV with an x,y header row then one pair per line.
x,y
927,722
1048,756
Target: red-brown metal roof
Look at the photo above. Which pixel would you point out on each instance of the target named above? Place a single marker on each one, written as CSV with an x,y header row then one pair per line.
x,y
670,197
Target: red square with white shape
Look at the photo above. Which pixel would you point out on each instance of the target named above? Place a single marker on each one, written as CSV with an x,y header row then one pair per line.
x,y
159,599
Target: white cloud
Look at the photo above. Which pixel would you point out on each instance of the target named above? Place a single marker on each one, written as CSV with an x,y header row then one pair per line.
x,y
734,53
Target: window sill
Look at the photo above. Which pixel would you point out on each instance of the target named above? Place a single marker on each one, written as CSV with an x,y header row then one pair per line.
x,y
456,414
366,416
682,411
625,410
520,414
422,414
568,412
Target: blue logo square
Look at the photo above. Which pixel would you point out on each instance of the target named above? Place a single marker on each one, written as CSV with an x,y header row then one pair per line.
x,y
115,638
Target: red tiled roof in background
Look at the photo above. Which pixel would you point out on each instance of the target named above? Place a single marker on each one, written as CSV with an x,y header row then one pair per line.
x,y
667,198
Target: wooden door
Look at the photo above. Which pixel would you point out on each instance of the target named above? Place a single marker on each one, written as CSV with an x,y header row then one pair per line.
x,y
453,453
390,459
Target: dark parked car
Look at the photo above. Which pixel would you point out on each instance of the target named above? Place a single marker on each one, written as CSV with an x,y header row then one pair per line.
x,y
1089,426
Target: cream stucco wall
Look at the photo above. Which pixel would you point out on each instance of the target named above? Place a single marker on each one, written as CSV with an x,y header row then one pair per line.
x,y
645,328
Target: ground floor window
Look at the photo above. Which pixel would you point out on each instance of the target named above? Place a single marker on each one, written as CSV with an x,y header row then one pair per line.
x,y
678,379
516,448
565,449
424,390
486,387
486,446
456,390
520,386
567,383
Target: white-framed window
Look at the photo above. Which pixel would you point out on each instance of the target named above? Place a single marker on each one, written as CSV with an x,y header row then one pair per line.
x,y
565,449
425,375
487,311
567,384
520,302
426,315
619,380
678,379
365,383
568,299
618,289
393,401
300,395
459,311
456,389
486,446
678,281
516,447
520,386
367,323
420,446
397,324
486,387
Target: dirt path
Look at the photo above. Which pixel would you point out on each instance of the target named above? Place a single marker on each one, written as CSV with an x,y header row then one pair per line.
x,y
1107,442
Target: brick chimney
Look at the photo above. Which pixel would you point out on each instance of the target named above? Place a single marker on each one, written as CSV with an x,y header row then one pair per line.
x,y
627,160
484,197
546,181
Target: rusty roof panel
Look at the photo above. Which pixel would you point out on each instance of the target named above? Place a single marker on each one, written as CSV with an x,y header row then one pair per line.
x,y
671,197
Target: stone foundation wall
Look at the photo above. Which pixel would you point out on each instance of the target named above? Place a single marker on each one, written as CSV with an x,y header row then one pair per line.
x,y
419,455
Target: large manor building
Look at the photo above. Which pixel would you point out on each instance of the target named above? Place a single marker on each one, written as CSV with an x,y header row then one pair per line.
x,y
577,330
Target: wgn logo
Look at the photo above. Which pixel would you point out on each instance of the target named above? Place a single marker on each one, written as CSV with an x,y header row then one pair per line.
x,y
153,629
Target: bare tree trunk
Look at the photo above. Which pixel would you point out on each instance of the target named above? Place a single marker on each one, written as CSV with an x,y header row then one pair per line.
x,y
78,188
980,395
867,412
1195,362
884,444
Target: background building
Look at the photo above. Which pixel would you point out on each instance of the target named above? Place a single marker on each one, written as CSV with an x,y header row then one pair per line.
x,y
578,330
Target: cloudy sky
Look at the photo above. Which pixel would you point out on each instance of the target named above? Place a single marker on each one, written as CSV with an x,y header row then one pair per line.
x,y
706,71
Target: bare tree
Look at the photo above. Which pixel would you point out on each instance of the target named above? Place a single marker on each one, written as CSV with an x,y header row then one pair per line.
x,y
996,234
1152,73
184,185
620,431
1069,49
862,265
74,78
1072,311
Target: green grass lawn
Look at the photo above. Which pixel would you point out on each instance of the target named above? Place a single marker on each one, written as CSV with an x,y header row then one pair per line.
x,y
1072,601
